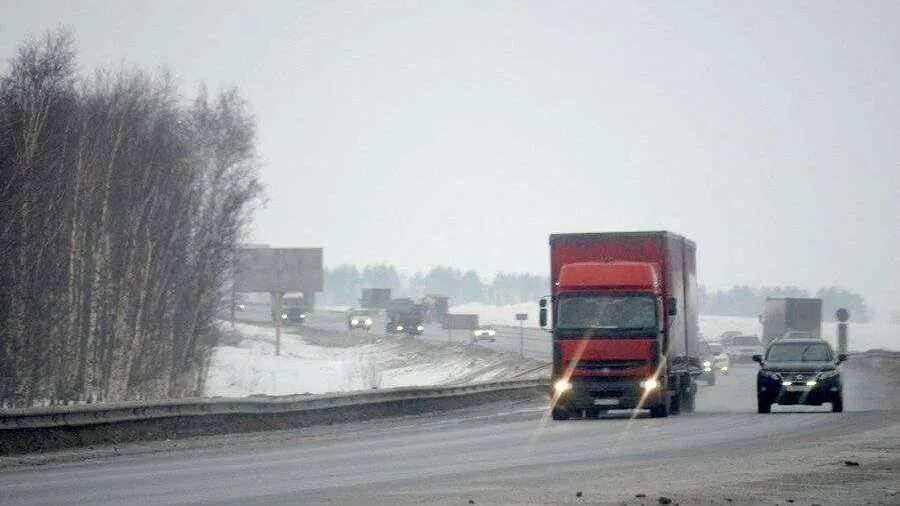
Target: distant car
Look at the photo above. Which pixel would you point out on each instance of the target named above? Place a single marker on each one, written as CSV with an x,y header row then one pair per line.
x,y
720,361
726,337
359,319
706,362
799,371
484,333
742,348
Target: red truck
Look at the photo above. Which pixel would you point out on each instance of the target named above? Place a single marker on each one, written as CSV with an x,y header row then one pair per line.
x,y
625,327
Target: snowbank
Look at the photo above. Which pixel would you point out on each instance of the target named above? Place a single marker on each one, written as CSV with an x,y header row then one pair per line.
x,y
252,368
863,336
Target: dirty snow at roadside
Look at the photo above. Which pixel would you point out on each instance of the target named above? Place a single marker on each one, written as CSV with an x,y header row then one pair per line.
x,y
251,368
863,336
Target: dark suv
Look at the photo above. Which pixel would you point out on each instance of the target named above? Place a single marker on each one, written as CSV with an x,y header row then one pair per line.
x,y
799,371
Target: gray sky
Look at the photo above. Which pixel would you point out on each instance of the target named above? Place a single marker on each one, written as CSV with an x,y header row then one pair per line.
x,y
463,133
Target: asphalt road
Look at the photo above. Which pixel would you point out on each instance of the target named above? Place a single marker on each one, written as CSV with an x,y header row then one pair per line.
x,y
511,453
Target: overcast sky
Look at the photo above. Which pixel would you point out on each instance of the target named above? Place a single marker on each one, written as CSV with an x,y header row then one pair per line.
x,y
463,133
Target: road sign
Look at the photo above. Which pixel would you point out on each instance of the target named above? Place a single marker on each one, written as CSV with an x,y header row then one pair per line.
x,y
521,316
842,315
461,322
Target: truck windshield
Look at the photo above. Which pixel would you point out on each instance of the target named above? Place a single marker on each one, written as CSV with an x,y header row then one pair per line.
x,y
625,315
799,352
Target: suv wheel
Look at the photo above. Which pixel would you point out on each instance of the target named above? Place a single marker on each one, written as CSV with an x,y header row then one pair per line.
x,y
763,406
837,404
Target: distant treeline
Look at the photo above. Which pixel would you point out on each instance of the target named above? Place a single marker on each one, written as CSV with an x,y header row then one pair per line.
x,y
343,285
748,301
121,209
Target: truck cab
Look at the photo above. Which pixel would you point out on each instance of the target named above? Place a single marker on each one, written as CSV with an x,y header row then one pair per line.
x,y
624,323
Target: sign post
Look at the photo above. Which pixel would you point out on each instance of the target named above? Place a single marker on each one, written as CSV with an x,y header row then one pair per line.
x,y
522,317
842,316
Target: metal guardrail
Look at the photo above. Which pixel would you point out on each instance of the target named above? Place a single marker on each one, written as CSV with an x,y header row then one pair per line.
x,y
81,415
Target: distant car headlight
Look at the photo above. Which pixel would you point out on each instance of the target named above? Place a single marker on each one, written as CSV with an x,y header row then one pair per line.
x,y
562,386
420,328
476,333
724,367
399,327
302,316
828,374
707,363
284,316
492,333
368,321
650,384
354,322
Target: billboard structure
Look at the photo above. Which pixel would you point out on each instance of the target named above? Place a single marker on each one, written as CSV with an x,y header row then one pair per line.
x,y
279,270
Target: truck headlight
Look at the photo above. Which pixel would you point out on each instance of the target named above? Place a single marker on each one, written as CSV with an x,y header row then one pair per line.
x,y
368,321
562,386
811,383
354,322
650,384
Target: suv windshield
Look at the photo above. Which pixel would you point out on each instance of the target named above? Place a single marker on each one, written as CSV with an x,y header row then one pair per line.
x,y
612,313
716,349
799,352
745,341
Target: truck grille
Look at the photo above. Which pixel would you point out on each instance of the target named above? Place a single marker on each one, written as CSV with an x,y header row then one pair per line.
x,y
612,365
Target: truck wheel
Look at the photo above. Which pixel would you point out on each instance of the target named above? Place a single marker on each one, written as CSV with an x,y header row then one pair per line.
x,y
837,405
763,406
660,410
559,414
690,400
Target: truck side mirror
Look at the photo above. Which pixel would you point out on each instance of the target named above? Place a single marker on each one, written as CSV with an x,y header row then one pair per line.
x,y
542,314
672,306
842,357
757,358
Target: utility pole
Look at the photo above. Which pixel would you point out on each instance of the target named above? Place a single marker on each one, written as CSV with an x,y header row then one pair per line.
x,y
278,313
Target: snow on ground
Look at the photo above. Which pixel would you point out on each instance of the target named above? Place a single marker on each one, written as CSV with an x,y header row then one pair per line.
x,y
863,336
251,368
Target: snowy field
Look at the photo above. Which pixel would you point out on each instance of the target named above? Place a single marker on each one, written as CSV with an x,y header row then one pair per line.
x,y
863,336
251,367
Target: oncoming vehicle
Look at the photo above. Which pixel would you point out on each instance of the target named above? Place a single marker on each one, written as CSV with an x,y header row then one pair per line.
x,y
484,333
293,309
799,371
742,348
720,361
359,319
709,372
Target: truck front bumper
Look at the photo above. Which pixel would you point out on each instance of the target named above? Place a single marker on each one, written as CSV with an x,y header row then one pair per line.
x,y
608,393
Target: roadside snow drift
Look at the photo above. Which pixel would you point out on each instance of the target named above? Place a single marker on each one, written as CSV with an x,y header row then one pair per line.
x,y
251,367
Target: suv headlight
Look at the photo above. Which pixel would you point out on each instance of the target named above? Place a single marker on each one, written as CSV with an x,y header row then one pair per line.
x,y
771,375
828,374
